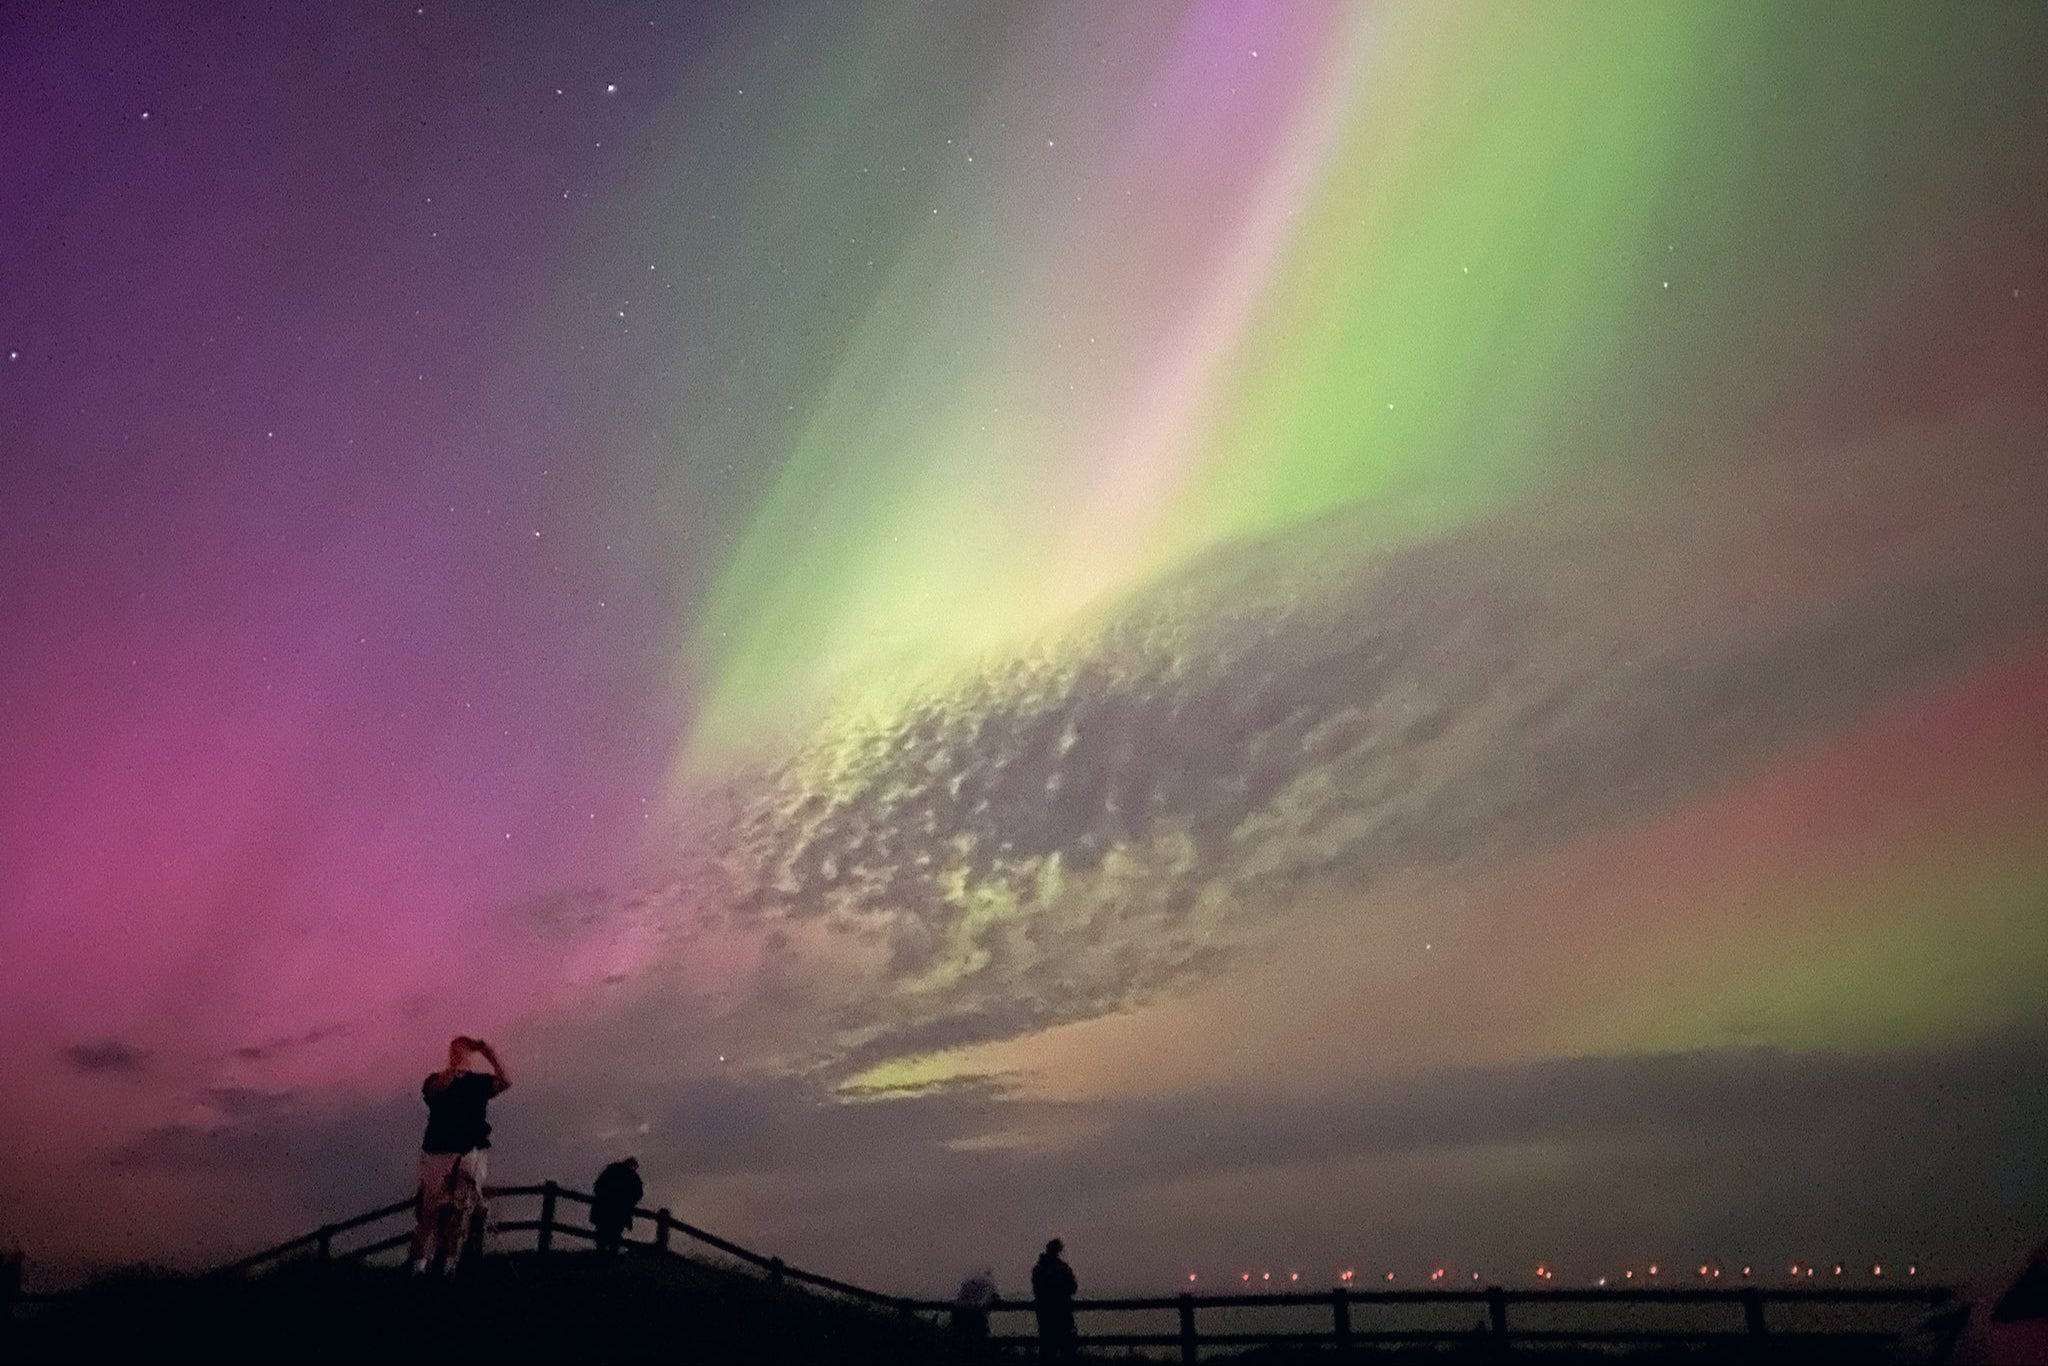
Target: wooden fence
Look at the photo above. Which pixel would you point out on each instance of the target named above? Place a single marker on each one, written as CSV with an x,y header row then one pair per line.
x,y
1343,1318
1338,1318
332,1242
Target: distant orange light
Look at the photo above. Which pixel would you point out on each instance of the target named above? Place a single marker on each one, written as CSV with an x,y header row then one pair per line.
x,y
1912,1270
1838,1268
1191,1275
1653,1268
1745,1271
1703,1268
1628,1275
1390,1275
1294,1275
1245,1276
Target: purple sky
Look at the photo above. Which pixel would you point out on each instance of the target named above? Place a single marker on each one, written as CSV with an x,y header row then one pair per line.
x,y
421,427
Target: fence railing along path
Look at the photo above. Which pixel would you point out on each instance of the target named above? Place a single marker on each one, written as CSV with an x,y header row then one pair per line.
x,y
1340,1317
325,1242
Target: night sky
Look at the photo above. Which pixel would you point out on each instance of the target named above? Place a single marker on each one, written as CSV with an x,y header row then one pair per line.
x,y
1282,636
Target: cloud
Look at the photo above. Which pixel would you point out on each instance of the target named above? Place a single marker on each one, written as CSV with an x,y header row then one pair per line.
x,y
272,1049
1070,833
247,1102
107,1056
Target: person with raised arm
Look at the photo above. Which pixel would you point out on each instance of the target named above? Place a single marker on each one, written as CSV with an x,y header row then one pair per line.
x,y
452,1153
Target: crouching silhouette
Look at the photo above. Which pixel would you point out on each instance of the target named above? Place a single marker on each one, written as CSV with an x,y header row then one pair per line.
x,y
613,1199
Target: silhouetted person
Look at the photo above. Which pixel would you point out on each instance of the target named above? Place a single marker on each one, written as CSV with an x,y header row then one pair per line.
x,y
1053,1288
612,1199
10,1290
2027,1297
452,1165
971,1302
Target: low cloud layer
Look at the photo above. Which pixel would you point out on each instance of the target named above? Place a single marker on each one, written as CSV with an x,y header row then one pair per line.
x,y
1901,1154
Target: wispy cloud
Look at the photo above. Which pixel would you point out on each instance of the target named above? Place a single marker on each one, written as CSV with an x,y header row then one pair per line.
x,y
107,1056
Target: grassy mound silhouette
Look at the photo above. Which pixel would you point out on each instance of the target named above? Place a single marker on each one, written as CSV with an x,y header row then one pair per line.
x,y
514,1308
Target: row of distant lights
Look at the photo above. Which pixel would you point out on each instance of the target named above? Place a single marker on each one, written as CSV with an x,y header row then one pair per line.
x,y
1708,1271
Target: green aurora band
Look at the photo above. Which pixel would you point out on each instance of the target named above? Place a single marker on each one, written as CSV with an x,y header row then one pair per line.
x,y
1455,252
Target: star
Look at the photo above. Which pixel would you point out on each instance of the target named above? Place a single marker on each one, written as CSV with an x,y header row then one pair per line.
x,y
612,88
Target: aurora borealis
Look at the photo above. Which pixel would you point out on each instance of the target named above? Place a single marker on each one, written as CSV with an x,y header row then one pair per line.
x,y
1306,633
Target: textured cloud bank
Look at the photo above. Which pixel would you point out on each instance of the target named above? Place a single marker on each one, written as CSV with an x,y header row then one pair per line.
x,y
1063,836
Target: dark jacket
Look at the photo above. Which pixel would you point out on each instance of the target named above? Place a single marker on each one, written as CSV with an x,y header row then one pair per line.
x,y
617,1191
1053,1286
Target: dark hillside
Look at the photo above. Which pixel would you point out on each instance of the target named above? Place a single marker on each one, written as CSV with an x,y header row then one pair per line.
x,y
511,1309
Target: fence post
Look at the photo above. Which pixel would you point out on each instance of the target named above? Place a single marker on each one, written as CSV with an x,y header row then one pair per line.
x,y
663,1222
1189,1344
326,1242
545,1238
1340,1306
1753,1311
1497,1310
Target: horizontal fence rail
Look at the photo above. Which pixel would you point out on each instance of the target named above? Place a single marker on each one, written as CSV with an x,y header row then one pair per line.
x,y
326,1243
1354,1317
1339,1318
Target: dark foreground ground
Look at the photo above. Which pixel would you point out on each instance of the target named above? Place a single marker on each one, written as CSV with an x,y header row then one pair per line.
x,y
565,1309
511,1309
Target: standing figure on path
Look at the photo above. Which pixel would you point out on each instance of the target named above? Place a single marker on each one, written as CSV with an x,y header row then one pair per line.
x,y
452,1168
1053,1288
10,1291
612,1199
971,1304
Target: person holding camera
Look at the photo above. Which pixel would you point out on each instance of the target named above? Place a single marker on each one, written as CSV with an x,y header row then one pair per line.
x,y
452,1154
